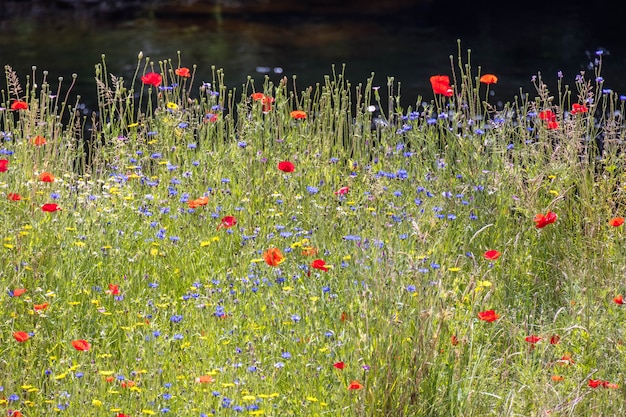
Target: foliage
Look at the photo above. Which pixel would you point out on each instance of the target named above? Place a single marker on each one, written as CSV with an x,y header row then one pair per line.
x,y
200,250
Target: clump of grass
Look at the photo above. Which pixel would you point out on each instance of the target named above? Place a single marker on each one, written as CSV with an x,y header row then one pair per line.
x,y
143,229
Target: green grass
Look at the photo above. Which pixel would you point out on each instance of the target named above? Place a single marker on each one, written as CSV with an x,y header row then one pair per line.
x,y
431,188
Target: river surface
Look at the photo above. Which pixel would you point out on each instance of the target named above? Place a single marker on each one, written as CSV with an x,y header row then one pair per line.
x,y
409,46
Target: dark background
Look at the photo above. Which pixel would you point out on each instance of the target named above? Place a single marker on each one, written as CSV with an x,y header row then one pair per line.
x,y
409,40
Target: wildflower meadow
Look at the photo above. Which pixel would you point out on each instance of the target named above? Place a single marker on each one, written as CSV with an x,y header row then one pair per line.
x,y
274,249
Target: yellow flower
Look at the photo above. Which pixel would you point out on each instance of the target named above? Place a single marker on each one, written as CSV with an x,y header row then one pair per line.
x,y
172,106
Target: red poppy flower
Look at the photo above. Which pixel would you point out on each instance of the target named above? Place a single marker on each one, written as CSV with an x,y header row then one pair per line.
x,y
152,78
114,289
555,339
344,316
355,385
204,379
579,108
17,292
50,207
339,365
267,104
39,140
40,307
81,345
19,105
211,118
202,201
595,383
616,221
46,177
273,257
183,72
21,336
552,125
532,339
121,415
14,197
4,165
542,221
489,79
441,85
488,316
492,255
15,413
342,191
227,221
257,96
454,340
286,166
619,300
547,115
298,114
319,264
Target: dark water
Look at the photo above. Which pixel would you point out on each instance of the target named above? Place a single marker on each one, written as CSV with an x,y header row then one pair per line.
x,y
410,46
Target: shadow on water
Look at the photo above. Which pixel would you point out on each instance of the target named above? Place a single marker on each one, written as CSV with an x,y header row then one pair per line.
x,y
410,45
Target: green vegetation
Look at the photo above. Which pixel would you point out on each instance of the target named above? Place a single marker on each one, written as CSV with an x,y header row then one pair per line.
x,y
196,250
